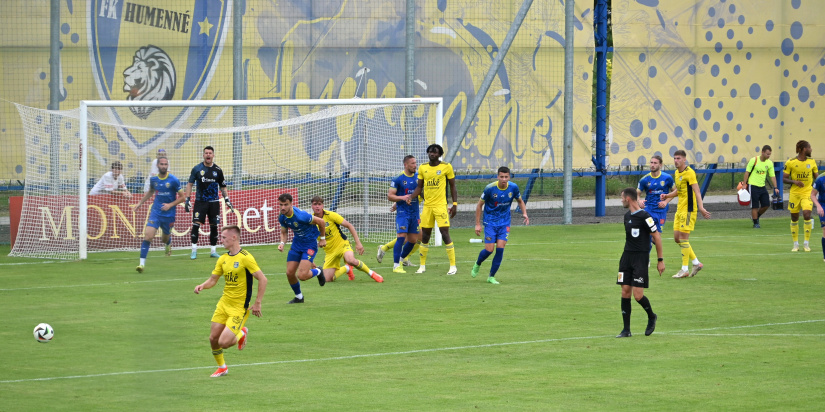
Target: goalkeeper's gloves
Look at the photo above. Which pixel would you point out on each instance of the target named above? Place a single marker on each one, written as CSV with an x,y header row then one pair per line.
x,y
187,206
228,204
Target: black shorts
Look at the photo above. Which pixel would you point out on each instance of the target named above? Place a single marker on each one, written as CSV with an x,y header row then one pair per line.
x,y
759,197
633,269
204,209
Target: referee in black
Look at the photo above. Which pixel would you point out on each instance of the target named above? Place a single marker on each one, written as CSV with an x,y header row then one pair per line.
x,y
639,228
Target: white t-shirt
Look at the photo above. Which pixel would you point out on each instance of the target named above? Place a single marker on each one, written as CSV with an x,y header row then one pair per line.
x,y
108,184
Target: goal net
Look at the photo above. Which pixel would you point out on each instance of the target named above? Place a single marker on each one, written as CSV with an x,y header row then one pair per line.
x,y
345,151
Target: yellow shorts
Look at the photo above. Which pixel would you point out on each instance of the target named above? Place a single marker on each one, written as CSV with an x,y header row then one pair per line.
x,y
684,221
437,214
332,260
797,202
234,316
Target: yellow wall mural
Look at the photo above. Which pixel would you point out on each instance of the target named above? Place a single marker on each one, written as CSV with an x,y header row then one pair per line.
x,y
717,78
182,49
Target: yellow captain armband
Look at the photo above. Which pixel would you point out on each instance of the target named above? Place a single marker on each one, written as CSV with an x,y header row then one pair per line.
x,y
455,203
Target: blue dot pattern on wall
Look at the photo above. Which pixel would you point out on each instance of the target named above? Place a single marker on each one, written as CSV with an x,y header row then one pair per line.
x,y
743,73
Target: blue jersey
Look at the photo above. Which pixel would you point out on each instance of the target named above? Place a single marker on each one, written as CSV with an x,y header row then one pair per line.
x,y
302,227
405,185
652,187
166,191
497,203
207,181
819,186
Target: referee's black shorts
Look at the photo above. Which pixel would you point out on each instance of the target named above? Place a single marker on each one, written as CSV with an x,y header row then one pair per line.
x,y
633,269
203,209
759,197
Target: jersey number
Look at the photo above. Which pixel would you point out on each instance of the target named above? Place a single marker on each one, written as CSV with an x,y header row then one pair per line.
x,y
790,205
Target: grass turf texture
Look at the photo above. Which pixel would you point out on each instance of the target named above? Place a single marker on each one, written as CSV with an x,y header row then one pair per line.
x,y
746,334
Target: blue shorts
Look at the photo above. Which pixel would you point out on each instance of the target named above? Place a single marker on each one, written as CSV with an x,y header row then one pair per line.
x,y
495,233
405,223
165,223
659,216
299,252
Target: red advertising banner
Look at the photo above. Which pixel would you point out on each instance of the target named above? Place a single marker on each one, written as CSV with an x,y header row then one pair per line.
x,y
114,223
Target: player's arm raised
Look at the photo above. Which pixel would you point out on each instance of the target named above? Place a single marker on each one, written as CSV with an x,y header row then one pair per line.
x,y
699,201
256,307
322,229
212,281
358,246
454,194
479,206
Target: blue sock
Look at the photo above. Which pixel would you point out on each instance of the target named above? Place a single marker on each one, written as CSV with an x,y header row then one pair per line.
x,y
315,272
496,261
408,247
169,241
396,250
823,247
144,249
482,256
296,288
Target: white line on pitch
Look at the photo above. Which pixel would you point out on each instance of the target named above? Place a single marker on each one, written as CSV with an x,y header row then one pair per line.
x,y
372,355
101,284
815,335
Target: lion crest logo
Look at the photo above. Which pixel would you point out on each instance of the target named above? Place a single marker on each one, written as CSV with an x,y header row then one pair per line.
x,y
150,77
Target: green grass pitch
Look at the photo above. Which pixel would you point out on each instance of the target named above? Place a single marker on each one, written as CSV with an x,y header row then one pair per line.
x,y
748,333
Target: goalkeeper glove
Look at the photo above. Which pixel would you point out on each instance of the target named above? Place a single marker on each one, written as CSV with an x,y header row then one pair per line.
x,y
228,204
187,206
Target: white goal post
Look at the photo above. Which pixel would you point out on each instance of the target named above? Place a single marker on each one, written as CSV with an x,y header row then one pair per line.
x,y
344,150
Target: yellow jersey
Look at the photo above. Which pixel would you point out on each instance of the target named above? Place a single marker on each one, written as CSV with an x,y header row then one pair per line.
x,y
683,181
802,171
237,273
335,237
435,183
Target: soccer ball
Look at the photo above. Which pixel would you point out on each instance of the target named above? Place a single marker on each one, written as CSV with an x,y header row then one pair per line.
x,y
43,332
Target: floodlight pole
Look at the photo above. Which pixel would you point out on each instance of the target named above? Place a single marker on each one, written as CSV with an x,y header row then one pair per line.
x,y
488,80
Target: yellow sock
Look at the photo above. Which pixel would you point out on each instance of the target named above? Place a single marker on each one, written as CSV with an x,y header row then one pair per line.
x,y
388,246
685,247
809,225
412,252
218,354
795,231
363,267
422,253
451,253
692,254
340,271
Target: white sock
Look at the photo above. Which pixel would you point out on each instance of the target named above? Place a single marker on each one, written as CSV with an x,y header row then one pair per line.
x,y
695,262
300,296
796,243
395,265
142,261
214,249
194,247
685,268
806,243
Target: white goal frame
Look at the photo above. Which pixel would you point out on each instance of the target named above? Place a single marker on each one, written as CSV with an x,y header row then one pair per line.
x,y
84,132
